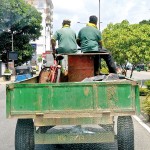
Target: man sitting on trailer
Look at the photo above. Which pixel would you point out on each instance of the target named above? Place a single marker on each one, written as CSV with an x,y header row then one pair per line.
x,y
66,38
90,41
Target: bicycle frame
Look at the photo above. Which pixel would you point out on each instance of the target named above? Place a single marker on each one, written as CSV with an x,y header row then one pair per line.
x,y
51,72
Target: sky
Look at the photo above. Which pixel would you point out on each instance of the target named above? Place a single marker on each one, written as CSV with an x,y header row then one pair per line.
x,y
111,11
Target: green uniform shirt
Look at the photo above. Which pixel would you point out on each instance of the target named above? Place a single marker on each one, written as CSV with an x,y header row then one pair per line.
x,y
66,40
90,37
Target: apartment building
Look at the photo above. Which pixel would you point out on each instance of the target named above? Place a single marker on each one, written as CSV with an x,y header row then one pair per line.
x,y
42,45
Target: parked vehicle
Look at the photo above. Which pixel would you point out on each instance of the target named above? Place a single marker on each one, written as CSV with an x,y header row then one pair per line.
x,y
34,69
40,107
23,73
141,67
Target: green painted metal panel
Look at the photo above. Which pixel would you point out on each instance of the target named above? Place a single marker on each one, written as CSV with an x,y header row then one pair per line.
x,y
30,98
137,100
118,96
8,104
72,97
44,98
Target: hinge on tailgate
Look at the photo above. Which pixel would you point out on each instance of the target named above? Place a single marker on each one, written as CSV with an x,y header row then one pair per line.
x,y
39,114
10,86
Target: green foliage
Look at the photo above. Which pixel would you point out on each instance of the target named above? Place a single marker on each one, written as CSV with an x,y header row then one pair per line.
x,y
104,70
24,22
145,22
40,58
147,83
143,91
7,71
146,104
128,42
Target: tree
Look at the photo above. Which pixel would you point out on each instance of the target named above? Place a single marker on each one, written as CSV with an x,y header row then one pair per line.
x,y
22,22
145,22
128,42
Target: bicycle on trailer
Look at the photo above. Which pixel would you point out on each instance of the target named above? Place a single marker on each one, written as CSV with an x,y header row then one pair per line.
x,y
51,74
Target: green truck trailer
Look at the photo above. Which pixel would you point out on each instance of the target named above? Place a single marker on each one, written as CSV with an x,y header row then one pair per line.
x,y
40,107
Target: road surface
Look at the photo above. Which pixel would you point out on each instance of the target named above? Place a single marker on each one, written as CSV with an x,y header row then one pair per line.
x,y
142,75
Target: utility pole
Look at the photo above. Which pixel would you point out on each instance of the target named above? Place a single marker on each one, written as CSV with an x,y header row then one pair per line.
x,y
12,48
99,15
12,40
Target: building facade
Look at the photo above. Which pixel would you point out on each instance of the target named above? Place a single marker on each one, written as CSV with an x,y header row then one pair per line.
x,y
42,45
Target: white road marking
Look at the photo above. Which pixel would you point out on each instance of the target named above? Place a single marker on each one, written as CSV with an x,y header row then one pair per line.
x,y
142,123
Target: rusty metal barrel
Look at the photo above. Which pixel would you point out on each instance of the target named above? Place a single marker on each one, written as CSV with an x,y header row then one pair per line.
x,y
80,66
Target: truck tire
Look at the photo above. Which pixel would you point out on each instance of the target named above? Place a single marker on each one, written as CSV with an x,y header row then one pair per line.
x,y
24,135
125,133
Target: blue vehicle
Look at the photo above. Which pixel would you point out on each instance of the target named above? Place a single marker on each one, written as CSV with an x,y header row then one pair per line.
x,y
23,73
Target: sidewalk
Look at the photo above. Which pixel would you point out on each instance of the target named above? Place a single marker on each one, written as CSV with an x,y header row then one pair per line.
x,y
7,82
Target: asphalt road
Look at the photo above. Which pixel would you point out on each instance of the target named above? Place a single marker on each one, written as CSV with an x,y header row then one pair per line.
x,y
142,75
142,136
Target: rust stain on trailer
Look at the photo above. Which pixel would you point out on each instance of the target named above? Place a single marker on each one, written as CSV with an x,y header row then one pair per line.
x,y
86,91
96,102
10,86
112,96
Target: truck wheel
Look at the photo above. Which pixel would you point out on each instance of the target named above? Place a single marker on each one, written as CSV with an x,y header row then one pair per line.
x,y
24,135
125,133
